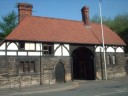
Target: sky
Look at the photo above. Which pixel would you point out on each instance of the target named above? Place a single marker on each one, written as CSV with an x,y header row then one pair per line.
x,y
67,9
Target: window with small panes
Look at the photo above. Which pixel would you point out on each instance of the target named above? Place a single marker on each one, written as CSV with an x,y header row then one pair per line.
x,y
27,67
47,49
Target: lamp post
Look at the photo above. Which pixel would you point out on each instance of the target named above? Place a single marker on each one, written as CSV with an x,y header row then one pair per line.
x,y
40,67
105,69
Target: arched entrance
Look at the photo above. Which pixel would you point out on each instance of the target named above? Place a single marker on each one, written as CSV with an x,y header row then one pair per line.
x,y
83,64
60,73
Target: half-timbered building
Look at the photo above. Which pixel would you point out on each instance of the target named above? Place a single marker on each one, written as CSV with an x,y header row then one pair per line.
x,y
43,50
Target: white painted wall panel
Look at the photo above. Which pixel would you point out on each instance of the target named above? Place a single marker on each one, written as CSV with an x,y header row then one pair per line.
x,y
67,46
119,50
22,53
32,46
56,45
2,47
12,46
11,53
34,53
2,52
65,52
38,47
110,49
99,49
26,46
58,52
29,46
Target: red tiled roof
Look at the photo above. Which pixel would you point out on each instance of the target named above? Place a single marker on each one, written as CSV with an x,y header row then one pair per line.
x,y
42,29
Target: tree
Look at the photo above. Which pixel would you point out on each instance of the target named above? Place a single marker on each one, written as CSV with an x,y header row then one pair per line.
x,y
8,23
106,21
119,24
96,18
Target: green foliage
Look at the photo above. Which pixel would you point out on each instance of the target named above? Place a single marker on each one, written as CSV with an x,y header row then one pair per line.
x,y
8,23
107,21
96,18
119,24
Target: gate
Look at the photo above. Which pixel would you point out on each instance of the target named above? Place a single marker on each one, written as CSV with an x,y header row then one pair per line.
x,y
60,73
83,64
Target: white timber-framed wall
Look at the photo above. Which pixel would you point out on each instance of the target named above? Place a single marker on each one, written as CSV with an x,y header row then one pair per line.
x,y
111,49
111,52
33,49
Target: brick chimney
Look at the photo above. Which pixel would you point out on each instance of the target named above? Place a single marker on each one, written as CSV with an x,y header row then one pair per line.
x,y
24,10
85,15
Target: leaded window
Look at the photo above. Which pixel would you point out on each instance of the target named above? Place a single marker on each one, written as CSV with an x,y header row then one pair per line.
x,y
47,49
21,45
113,59
108,59
27,67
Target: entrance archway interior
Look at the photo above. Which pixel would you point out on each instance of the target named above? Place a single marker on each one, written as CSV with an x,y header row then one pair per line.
x,y
83,64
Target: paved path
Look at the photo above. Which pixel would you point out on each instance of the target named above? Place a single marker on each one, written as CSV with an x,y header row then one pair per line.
x,y
37,89
115,87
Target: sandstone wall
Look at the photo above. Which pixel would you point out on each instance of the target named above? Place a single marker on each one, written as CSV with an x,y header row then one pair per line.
x,y
113,70
11,77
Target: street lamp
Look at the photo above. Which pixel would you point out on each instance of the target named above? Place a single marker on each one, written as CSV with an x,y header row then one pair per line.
x,y
40,67
105,69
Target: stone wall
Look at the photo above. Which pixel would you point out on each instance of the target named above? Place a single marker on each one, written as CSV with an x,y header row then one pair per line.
x,y
10,76
113,70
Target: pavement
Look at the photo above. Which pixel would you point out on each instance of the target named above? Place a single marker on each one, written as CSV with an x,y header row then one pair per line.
x,y
56,87
37,89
